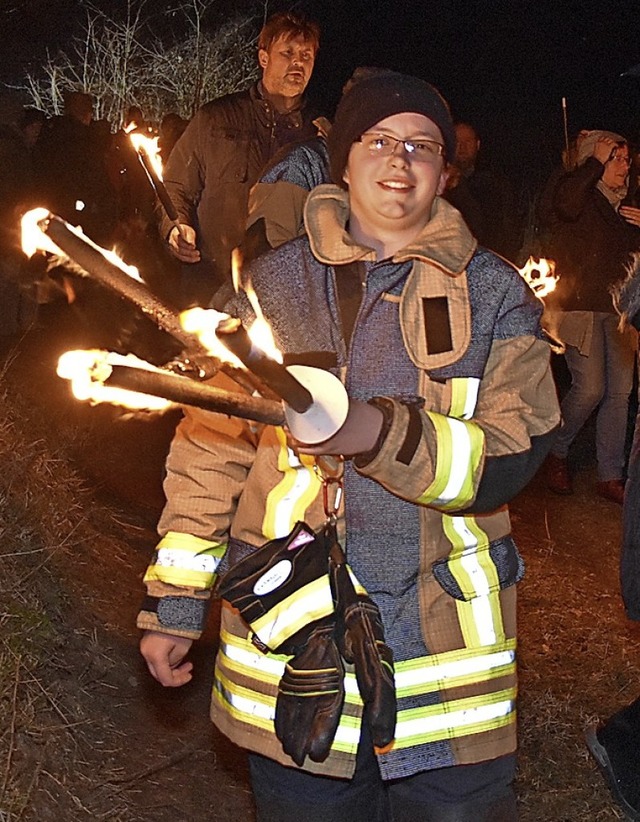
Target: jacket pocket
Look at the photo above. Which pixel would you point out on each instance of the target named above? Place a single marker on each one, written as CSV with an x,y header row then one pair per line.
x,y
480,571
231,155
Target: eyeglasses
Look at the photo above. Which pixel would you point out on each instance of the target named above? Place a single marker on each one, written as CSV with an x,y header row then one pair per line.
x,y
621,158
384,145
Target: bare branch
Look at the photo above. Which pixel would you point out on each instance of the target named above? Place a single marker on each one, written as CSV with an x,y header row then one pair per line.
x,y
122,61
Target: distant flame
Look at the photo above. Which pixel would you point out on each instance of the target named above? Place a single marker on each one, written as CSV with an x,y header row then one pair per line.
x,y
540,275
236,268
88,370
149,146
35,239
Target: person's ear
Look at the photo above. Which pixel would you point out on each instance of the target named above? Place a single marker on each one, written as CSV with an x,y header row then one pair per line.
x,y
263,58
442,182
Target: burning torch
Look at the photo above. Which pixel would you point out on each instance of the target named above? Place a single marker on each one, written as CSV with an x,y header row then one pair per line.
x,y
315,401
103,376
149,156
44,231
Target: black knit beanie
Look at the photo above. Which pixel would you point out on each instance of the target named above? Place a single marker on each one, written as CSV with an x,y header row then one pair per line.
x,y
375,98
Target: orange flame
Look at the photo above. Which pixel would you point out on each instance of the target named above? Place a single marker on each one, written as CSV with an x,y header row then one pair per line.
x,y
260,331
540,275
203,322
35,239
149,146
88,370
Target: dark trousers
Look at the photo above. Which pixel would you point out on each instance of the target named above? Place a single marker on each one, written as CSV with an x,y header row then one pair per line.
x,y
465,793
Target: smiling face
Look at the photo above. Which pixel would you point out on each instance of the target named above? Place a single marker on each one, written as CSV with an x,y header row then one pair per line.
x,y
391,196
287,66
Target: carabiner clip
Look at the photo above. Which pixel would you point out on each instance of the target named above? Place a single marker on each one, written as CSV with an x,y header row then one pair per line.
x,y
331,508
330,472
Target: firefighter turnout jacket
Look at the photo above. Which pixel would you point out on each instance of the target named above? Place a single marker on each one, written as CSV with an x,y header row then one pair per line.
x,y
447,338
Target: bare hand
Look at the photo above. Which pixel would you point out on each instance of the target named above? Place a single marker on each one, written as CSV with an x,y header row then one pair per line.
x,y
163,654
358,434
454,175
631,215
604,148
182,243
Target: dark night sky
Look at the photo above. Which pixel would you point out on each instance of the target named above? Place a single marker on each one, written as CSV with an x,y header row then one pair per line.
x,y
502,64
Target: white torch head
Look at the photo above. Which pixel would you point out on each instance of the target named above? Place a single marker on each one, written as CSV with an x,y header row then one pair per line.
x,y
328,412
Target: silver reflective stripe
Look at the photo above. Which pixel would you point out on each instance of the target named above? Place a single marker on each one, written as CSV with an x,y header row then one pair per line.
x,y
481,605
456,669
450,719
471,399
460,462
177,558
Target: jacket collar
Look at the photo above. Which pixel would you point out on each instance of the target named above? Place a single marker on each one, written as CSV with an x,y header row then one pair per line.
x,y
445,241
268,111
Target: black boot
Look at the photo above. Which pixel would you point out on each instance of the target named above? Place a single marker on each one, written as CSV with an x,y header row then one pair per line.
x,y
615,747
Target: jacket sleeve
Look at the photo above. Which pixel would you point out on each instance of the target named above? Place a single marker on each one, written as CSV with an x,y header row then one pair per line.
x,y
574,189
477,464
207,465
184,173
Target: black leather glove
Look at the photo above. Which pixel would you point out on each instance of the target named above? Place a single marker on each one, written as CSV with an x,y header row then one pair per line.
x,y
283,587
311,696
360,637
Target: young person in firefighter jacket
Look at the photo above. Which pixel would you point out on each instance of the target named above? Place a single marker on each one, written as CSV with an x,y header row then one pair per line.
x,y
452,408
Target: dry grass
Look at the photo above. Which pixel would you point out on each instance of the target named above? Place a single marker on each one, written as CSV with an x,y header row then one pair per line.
x,y
50,656
579,657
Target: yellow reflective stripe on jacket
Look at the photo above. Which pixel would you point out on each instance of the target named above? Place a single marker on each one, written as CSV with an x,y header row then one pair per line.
x,y
423,675
245,703
258,709
185,560
309,603
459,451
241,656
243,706
287,503
455,669
470,563
455,718
464,397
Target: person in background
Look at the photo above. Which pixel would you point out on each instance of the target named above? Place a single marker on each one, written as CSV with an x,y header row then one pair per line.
x,y
72,173
226,146
592,239
451,409
482,195
171,128
277,200
19,132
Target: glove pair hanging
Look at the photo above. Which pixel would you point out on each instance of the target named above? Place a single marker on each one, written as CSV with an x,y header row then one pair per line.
x,y
298,595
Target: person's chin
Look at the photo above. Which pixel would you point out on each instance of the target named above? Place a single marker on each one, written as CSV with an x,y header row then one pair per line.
x,y
293,87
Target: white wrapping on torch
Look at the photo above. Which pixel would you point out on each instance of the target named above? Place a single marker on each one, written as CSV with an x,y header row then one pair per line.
x,y
328,411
